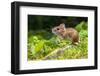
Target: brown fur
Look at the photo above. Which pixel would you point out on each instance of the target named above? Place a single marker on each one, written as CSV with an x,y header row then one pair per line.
x,y
66,33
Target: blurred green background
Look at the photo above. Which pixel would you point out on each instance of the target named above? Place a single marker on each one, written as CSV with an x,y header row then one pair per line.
x,y
42,43
36,22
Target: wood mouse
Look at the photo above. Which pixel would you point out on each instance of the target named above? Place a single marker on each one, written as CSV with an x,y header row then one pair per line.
x,y
66,33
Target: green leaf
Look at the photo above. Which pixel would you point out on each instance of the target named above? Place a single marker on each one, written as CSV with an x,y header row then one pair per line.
x,y
81,26
39,46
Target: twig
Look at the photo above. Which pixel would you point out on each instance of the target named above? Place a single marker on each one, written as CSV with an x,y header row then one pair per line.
x,y
56,52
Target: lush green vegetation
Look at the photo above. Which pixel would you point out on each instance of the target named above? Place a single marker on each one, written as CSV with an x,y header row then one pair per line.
x,y
41,43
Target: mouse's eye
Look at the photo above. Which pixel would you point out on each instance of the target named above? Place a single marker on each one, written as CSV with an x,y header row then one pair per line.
x,y
57,28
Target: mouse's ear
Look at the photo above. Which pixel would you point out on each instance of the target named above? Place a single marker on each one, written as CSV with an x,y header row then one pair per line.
x,y
62,25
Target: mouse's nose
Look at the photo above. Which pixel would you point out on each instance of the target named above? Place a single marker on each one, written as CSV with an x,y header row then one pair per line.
x,y
53,30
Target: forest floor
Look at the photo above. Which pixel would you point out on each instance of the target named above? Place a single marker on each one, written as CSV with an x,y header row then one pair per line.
x,y
43,45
